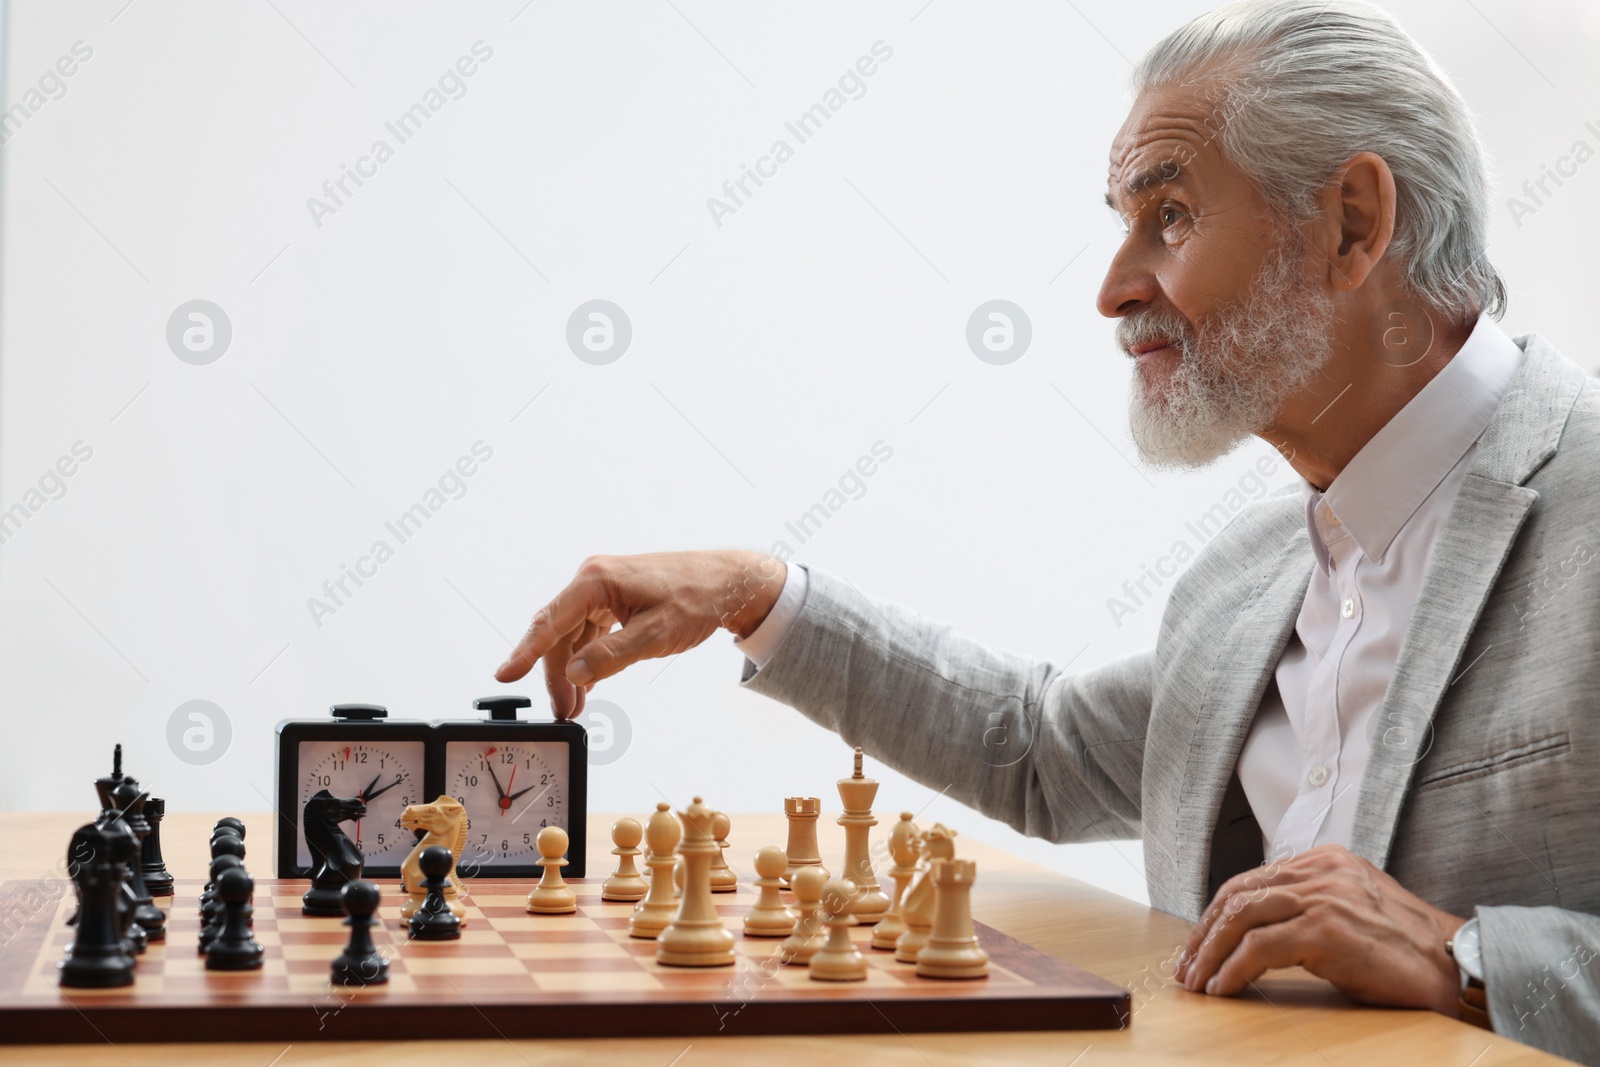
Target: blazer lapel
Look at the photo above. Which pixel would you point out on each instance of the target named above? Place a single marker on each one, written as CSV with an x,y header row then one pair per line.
x,y
1244,666
1477,538
1473,546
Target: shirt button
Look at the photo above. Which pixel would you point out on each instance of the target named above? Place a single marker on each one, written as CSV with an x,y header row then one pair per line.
x,y
1348,608
1318,775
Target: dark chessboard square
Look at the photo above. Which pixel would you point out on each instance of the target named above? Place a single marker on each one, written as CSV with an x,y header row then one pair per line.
x,y
223,987
701,977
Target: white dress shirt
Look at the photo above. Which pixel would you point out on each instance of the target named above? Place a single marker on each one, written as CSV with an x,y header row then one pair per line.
x,y
1372,533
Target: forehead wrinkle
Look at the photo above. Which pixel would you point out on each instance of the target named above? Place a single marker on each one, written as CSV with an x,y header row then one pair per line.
x,y
1166,127
1155,177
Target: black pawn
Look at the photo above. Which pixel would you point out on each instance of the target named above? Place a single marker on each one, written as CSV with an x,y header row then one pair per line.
x,y
218,863
229,841
231,833
229,822
235,949
98,957
434,921
210,906
360,963
157,878
226,845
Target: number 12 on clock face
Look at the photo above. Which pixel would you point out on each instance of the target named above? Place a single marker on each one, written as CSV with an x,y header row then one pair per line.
x,y
511,790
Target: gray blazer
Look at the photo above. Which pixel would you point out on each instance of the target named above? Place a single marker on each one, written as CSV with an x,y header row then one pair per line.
x,y
1483,789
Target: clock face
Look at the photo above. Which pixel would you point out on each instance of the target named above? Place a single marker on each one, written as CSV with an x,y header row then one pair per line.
x,y
511,790
386,776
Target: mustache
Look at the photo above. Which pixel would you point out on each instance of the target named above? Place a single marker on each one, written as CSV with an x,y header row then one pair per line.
x,y
1153,325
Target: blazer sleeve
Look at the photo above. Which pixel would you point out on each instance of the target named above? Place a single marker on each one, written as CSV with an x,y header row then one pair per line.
x,y
1053,755
1542,978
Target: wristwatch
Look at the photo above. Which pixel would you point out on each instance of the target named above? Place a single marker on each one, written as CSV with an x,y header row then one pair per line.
x,y
1466,948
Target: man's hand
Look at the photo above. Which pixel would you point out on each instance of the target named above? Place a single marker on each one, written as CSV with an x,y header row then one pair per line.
x,y
1338,916
666,603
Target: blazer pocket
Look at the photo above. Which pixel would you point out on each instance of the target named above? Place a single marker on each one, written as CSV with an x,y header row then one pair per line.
x,y
1533,752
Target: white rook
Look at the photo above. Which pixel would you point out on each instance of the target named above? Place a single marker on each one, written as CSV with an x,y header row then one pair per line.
x,y
802,813
952,950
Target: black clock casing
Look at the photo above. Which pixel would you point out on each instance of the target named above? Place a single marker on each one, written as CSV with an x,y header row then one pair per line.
x,y
361,726
503,727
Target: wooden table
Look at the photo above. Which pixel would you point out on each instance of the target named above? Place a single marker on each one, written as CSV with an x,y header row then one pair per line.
x,y
1291,1018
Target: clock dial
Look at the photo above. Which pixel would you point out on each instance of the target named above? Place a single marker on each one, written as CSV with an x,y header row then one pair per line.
x,y
386,776
511,790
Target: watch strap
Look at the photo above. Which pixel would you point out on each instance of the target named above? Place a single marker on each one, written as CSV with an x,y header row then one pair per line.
x,y
1474,1004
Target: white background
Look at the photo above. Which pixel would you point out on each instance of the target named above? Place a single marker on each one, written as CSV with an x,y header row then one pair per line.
x,y
769,353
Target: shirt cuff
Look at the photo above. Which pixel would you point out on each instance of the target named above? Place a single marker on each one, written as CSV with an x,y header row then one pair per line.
x,y
761,646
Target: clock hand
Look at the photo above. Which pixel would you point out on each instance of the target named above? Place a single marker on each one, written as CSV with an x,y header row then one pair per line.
x,y
363,796
373,796
505,801
494,779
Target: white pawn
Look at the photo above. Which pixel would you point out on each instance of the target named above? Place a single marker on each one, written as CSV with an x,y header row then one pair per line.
x,y
723,880
807,938
839,960
552,896
769,917
627,884
652,914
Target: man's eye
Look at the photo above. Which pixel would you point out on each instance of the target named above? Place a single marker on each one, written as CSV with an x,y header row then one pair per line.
x,y
1170,216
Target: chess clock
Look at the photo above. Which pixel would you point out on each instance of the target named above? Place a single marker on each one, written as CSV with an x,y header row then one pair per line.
x,y
514,777
357,752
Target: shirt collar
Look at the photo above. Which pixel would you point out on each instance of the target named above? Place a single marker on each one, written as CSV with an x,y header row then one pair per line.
x,y
1388,479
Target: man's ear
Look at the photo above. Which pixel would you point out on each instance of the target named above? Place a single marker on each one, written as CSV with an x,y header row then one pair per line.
x,y
1356,219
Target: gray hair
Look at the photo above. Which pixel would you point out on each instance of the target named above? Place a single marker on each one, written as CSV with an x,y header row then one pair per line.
x,y
1305,85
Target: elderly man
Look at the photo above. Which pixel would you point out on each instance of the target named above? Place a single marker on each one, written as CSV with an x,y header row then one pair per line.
x,y
1366,740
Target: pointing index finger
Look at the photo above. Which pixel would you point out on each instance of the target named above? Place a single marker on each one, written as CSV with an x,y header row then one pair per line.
x,y
568,611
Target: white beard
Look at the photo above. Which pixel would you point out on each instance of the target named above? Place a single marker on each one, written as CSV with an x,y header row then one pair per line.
x,y
1237,368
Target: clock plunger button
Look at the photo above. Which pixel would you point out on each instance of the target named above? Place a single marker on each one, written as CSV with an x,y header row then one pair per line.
x,y
502,709
359,712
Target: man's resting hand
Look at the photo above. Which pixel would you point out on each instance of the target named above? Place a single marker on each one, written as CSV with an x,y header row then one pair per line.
x,y
665,602
1338,916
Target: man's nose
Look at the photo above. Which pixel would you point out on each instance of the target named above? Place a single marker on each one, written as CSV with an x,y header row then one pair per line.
x,y
1128,284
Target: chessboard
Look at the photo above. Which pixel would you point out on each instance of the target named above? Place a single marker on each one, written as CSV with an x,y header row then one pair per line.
x,y
511,974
